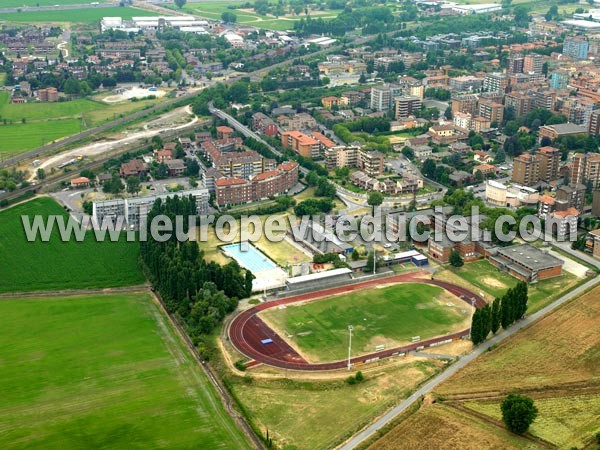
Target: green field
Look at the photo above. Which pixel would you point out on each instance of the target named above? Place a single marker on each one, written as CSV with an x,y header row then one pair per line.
x,y
87,15
103,372
19,137
35,266
388,316
20,3
46,122
2,78
488,278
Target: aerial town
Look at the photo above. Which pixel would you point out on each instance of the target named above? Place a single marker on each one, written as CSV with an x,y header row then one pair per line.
x,y
300,225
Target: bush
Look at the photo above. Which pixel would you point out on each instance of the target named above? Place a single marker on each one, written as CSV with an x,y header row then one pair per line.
x,y
239,365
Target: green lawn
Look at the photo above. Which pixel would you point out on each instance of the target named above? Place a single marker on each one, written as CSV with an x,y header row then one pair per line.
x,y
2,78
34,266
19,137
488,278
88,15
103,372
388,316
43,111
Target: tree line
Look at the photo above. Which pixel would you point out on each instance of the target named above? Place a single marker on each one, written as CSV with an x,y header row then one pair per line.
x,y
502,312
199,292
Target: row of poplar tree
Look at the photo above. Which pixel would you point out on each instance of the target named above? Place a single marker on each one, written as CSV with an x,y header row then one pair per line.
x,y
502,312
200,293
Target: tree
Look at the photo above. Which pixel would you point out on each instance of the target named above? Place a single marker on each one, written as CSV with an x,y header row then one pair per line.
x,y
429,168
455,259
228,17
113,186
495,316
40,173
180,3
133,184
370,262
476,324
518,413
375,199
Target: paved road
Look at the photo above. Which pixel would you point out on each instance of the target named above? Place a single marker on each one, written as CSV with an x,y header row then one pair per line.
x,y
434,382
566,247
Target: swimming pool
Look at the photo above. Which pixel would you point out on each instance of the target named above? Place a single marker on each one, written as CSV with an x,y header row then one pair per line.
x,y
251,259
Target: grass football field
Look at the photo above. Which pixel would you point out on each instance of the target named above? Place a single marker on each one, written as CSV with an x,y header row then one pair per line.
x,y
103,372
388,316
34,266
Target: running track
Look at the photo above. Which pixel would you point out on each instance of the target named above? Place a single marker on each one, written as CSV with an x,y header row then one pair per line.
x,y
247,330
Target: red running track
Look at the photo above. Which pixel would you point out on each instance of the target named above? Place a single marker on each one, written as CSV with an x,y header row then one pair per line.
x,y
247,330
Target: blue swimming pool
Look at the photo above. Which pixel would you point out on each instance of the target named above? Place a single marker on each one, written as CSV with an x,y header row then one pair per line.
x,y
249,257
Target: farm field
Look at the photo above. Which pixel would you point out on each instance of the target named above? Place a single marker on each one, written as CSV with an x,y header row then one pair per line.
x,y
556,361
19,137
35,266
487,278
103,371
453,430
562,421
87,15
388,316
300,414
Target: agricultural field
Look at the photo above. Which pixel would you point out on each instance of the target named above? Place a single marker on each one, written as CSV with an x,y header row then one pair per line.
x,y
103,371
482,276
313,414
87,15
556,361
35,266
562,421
66,118
443,428
388,316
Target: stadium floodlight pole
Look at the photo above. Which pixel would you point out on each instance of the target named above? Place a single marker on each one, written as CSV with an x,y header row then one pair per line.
x,y
350,328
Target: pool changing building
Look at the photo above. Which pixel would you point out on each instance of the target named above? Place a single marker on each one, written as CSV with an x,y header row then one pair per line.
x,y
133,209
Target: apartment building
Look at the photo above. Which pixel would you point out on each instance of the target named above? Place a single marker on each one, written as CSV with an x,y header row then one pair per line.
x,y
495,82
522,103
263,124
371,163
549,158
342,156
571,196
491,110
576,47
407,106
301,143
526,169
586,168
533,63
234,191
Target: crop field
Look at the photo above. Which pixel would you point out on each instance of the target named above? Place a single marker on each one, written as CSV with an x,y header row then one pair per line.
x,y
19,137
563,347
440,427
103,371
487,278
307,415
87,15
388,316
562,421
34,266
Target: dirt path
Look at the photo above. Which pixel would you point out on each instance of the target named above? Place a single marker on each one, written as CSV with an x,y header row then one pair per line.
x,y
106,146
